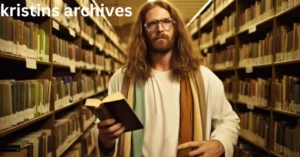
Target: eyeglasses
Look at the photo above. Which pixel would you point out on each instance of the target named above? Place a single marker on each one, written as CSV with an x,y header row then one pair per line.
x,y
166,23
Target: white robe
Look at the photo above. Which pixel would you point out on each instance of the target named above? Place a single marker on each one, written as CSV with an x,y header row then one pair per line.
x,y
162,113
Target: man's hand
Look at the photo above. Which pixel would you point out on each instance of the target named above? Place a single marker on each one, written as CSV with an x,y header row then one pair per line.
x,y
213,148
109,131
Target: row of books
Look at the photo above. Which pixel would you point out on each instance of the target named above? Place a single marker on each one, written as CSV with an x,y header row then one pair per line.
x,y
224,58
99,20
255,127
206,40
256,13
38,143
67,90
221,4
207,15
226,29
88,58
109,48
288,94
288,43
100,40
287,138
100,82
247,150
99,61
67,129
228,87
23,100
255,92
282,5
86,148
88,118
87,29
207,60
23,39
257,53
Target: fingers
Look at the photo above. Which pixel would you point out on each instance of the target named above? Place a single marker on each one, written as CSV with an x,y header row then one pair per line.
x,y
197,152
106,123
111,129
190,144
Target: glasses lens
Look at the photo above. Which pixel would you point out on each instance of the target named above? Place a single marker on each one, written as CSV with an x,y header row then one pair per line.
x,y
152,25
167,24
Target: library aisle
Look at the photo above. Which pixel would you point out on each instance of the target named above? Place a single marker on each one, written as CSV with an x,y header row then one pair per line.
x,y
253,47
49,66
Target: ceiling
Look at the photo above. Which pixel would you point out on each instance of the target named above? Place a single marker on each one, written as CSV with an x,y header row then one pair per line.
x,y
187,9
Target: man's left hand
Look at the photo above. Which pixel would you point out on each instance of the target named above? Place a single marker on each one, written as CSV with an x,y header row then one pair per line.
x,y
212,148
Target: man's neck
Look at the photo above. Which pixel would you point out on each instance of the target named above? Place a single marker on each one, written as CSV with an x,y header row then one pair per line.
x,y
161,62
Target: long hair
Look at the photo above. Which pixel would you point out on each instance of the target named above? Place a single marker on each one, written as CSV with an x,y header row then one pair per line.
x,y
183,59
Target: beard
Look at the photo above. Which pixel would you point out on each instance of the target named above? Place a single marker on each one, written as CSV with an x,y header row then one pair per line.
x,y
161,44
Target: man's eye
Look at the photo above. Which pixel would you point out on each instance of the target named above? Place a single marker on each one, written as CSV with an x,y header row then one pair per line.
x,y
167,21
151,23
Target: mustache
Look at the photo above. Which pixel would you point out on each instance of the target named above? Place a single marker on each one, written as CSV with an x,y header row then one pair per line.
x,y
162,36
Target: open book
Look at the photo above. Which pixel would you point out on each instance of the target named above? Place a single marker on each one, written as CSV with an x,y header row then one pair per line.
x,y
115,106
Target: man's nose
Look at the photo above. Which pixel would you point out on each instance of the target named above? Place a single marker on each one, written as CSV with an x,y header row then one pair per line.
x,y
160,27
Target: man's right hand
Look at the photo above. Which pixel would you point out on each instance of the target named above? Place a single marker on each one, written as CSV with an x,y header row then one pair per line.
x,y
109,131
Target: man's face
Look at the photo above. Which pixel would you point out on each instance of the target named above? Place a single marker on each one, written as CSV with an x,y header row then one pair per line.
x,y
161,39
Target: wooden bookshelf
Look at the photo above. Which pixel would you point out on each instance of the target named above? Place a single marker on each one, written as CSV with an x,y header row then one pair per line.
x,y
266,24
13,66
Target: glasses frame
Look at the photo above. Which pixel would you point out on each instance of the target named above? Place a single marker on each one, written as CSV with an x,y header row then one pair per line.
x,y
160,22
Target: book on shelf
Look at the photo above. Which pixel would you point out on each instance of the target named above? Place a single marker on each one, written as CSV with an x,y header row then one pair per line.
x,y
75,151
282,5
255,92
224,58
288,94
115,106
286,138
257,53
255,127
38,143
246,150
88,142
287,43
23,100
24,39
66,129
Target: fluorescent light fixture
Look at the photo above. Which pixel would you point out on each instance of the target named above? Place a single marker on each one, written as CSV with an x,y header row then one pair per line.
x,y
199,12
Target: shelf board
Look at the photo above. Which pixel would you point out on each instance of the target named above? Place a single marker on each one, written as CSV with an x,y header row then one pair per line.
x,y
287,11
262,22
258,107
67,106
69,145
224,70
223,8
24,124
287,62
20,58
276,154
287,113
254,143
257,66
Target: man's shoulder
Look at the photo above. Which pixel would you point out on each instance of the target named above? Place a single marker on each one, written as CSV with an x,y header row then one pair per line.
x,y
118,75
208,75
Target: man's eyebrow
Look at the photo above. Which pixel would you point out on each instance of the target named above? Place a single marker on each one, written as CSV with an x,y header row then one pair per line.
x,y
158,19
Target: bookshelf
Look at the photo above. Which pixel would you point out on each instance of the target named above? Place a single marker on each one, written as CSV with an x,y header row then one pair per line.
x,y
257,60
49,68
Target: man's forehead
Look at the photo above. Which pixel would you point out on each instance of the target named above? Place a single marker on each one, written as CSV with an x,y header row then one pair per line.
x,y
157,13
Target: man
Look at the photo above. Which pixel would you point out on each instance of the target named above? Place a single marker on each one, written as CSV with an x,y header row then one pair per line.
x,y
183,115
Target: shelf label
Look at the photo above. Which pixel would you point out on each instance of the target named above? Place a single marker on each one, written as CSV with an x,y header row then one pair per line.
x,y
31,63
72,32
55,25
252,29
205,50
72,68
222,40
91,42
250,106
249,69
